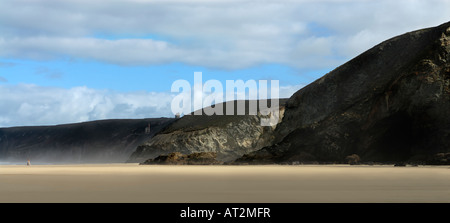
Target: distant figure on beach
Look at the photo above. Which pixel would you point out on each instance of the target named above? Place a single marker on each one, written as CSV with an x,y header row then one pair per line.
x,y
28,163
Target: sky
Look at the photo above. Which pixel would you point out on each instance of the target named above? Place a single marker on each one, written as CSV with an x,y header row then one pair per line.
x,y
82,60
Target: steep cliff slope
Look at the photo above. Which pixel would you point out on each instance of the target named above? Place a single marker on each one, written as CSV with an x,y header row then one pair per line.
x,y
389,104
229,136
97,141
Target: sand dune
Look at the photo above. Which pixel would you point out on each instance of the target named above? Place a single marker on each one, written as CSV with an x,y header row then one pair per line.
x,y
126,183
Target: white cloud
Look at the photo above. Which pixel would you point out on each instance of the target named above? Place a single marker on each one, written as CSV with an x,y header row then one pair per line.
x,y
221,34
34,105
26,104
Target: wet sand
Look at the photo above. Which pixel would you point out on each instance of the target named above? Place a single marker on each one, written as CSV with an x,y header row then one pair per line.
x,y
131,183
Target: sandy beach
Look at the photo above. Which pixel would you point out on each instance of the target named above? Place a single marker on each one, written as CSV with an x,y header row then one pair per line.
x,y
132,183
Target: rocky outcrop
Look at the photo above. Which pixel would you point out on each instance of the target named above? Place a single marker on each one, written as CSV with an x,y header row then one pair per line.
x,y
229,136
353,159
176,158
439,159
96,141
390,104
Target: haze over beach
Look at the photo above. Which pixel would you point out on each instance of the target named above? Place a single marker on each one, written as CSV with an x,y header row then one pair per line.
x,y
224,101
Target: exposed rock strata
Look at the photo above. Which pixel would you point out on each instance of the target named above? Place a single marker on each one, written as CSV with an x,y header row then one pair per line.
x,y
176,158
230,136
389,104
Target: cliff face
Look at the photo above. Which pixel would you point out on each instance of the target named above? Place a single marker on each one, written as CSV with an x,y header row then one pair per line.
x,y
389,104
97,141
229,136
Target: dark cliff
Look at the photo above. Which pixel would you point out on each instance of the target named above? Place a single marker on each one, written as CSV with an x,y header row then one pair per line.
x,y
389,104
96,141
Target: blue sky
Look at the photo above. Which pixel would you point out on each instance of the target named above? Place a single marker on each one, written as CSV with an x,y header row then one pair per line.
x,y
99,75
79,60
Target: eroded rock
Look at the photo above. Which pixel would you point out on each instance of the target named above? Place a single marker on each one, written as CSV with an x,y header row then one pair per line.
x,y
176,158
390,104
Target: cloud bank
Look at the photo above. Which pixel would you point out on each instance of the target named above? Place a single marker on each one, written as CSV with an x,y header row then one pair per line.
x,y
220,34
37,105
